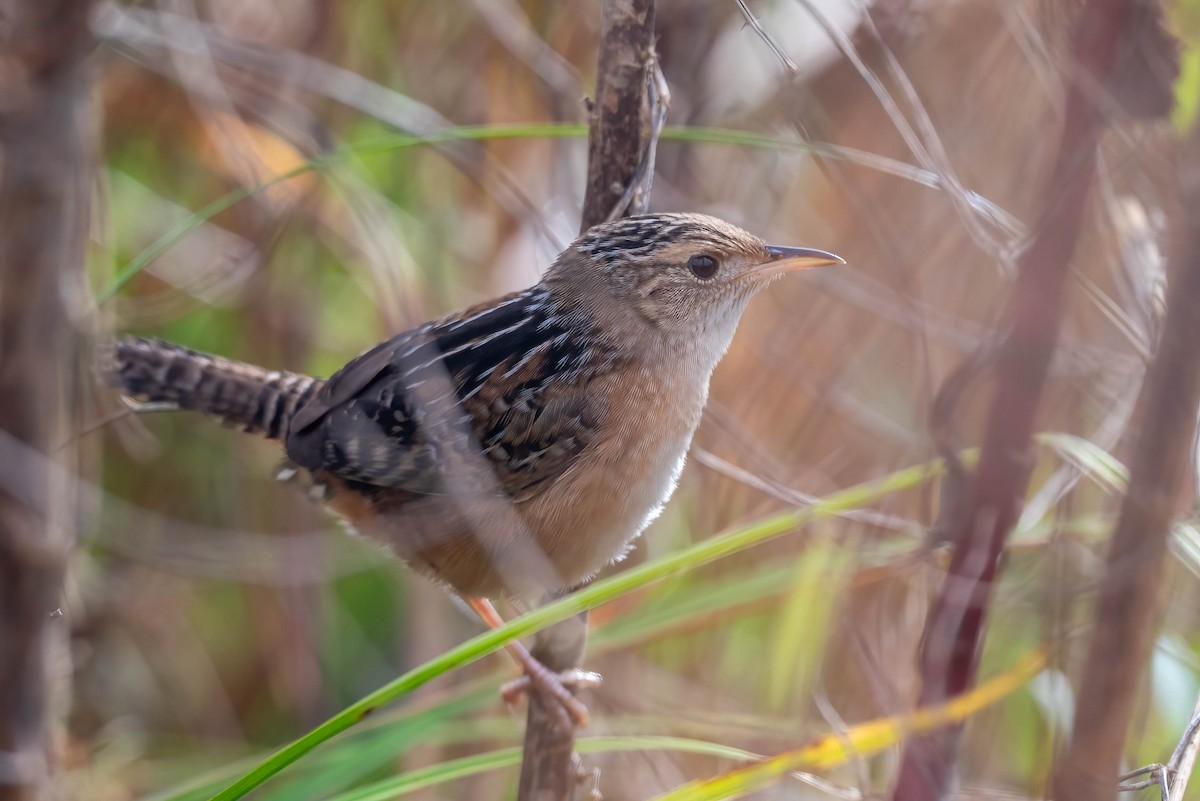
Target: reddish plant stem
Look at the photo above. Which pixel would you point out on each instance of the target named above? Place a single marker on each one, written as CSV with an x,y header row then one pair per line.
x,y
948,663
1128,609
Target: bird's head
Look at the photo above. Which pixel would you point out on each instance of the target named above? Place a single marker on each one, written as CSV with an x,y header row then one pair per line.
x,y
684,277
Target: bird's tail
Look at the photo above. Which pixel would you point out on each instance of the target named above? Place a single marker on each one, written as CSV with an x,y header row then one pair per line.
x,y
256,400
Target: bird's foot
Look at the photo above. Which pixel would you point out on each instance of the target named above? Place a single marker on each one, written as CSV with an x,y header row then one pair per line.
x,y
558,686
538,678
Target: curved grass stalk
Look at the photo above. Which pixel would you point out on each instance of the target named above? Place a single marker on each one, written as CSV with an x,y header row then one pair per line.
x,y
861,740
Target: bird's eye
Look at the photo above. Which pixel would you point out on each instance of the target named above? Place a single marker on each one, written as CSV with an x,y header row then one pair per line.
x,y
703,266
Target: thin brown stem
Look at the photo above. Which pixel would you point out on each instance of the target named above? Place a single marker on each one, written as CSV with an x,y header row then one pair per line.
x,y
621,137
1128,609
954,629
44,138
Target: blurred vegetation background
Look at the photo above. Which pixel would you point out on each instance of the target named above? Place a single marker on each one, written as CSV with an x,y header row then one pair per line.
x,y
217,614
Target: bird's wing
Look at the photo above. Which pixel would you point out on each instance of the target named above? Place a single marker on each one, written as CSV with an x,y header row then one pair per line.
x,y
419,410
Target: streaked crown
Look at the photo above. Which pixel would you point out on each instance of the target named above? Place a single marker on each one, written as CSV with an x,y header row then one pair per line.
x,y
642,238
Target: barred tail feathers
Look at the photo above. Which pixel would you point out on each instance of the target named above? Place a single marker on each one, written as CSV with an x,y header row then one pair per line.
x,y
256,400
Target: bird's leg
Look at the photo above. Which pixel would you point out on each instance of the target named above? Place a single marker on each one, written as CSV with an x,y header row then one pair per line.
x,y
537,676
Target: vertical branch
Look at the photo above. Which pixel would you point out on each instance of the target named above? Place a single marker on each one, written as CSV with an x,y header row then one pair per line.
x,y
624,122
44,157
548,766
1127,610
626,116
954,630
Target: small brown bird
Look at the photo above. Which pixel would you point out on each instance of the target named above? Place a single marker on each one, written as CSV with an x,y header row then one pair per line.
x,y
518,446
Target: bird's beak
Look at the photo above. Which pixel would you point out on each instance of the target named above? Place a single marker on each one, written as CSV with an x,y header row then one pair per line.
x,y
785,260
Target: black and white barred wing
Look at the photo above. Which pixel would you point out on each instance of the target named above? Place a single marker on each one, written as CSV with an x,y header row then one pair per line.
x,y
362,425
500,387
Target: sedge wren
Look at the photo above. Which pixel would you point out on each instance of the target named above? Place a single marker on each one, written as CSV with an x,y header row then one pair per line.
x,y
518,446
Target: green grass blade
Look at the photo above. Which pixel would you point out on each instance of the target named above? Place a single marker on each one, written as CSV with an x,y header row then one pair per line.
x,y
819,577
704,604
348,767
1104,468
397,729
181,229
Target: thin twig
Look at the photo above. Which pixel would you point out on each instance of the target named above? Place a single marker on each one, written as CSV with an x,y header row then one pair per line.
x,y
1184,758
512,28
753,22
793,496
922,141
